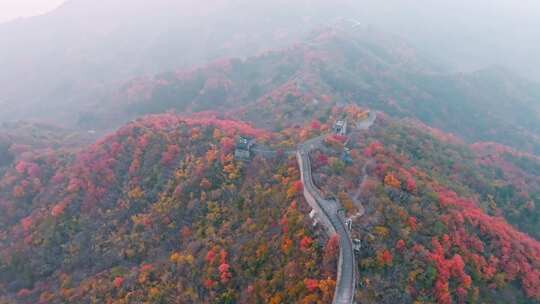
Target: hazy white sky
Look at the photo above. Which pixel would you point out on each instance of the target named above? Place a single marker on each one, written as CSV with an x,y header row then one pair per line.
x,y
11,9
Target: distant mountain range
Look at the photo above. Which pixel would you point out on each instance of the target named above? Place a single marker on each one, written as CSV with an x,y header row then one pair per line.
x,y
72,56
347,64
83,51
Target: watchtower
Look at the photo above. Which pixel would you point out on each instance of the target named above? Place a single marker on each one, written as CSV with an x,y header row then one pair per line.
x,y
340,127
243,147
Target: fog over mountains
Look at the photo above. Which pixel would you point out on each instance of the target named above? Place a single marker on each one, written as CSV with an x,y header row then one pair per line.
x,y
284,151
76,53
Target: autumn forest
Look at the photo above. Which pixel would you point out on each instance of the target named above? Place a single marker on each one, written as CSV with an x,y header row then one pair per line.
x,y
183,185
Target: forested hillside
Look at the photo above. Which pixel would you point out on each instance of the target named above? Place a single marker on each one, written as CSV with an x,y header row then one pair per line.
x,y
160,211
440,221
143,193
351,65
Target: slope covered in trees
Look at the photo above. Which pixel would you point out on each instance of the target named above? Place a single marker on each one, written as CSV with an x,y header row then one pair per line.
x,y
351,65
430,212
23,140
160,211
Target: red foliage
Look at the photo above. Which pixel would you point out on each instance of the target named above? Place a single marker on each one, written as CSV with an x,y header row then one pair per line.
x,y
410,184
385,257
118,282
146,268
517,254
298,186
58,209
27,223
315,125
447,268
311,284
229,126
293,205
227,145
305,243
169,155
23,293
21,167
210,256
224,273
373,149
336,139
412,222
322,160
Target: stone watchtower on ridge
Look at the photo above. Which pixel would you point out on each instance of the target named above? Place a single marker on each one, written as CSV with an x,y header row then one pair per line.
x,y
243,148
340,127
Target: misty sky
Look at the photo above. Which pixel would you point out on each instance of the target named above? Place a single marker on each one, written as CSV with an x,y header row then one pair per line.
x,y
12,9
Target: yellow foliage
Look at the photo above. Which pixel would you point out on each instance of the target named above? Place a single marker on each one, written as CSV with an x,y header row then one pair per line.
x,y
135,193
413,274
179,258
381,231
291,192
346,202
231,170
327,288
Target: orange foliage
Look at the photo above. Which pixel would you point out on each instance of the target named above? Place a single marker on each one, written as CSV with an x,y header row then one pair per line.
x,y
384,258
286,245
391,181
295,188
